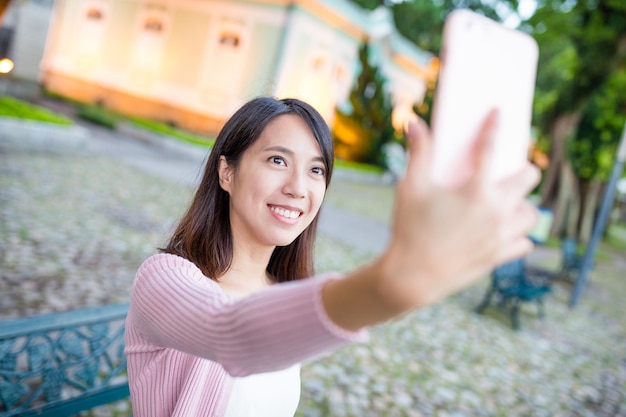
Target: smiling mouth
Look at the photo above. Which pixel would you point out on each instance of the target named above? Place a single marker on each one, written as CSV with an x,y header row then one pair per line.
x,y
289,214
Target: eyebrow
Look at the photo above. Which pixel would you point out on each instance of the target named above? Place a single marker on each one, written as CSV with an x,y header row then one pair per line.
x,y
289,152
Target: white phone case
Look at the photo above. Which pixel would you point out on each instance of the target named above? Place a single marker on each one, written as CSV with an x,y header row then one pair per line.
x,y
483,65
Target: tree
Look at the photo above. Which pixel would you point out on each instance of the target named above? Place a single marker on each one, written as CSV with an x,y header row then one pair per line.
x,y
371,111
369,4
592,150
422,21
583,45
582,52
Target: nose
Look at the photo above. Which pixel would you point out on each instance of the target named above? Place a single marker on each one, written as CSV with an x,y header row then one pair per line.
x,y
295,185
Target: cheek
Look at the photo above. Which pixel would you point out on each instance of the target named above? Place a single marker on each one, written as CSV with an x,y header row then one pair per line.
x,y
318,198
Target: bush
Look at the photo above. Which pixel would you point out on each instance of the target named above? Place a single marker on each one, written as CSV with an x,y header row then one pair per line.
x,y
12,107
168,130
98,116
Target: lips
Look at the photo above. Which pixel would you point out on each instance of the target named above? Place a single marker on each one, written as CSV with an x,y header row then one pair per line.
x,y
286,213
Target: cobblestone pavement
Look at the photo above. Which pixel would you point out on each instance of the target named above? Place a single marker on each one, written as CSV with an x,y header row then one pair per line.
x,y
74,227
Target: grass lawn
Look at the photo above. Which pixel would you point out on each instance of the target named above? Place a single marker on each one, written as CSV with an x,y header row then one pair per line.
x,y
110,119
357,166
167,130
12,107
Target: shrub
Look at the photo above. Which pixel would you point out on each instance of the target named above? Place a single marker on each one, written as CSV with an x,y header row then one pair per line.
x,y
168,130
98,116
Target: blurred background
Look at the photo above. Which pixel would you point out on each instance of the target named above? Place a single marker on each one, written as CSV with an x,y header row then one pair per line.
x,y
109,107
366,65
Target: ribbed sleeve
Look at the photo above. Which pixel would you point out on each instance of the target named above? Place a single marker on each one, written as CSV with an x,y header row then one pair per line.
x,y
174,306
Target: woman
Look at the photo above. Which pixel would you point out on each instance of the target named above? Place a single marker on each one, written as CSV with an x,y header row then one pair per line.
x,y
209,333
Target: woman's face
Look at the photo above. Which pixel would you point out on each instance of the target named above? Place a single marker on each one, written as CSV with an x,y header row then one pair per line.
x,y
278,187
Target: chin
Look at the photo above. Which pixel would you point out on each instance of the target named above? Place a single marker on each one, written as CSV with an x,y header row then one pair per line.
x,y
285,240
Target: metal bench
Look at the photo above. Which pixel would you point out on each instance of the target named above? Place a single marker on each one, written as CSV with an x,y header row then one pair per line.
x,y
515,283
63,363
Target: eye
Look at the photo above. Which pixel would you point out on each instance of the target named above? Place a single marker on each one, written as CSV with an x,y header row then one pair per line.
x,y
318,170
278,160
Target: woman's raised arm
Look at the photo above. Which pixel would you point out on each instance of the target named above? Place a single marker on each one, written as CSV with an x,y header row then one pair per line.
x,y
442,239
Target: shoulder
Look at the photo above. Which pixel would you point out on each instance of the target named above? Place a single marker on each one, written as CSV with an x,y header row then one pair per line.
x,y
167,260
165,266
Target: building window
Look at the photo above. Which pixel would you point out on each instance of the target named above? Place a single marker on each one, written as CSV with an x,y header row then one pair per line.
x,y
153,24
319,64
6,41
94,13
340,74
229,39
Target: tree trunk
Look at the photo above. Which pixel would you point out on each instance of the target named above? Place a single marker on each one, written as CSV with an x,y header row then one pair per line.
x,y
562,127
591,200
567,204
559,190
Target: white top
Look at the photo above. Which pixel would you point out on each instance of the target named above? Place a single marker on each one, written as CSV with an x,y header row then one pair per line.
x,y
269,394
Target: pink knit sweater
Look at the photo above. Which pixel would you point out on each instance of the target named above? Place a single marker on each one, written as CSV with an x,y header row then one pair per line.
x,y
186,338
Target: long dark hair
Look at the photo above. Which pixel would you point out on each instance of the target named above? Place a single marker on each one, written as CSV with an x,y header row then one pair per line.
x,y
204,236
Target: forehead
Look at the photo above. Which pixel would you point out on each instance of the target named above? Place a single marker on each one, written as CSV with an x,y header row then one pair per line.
x,y
291,131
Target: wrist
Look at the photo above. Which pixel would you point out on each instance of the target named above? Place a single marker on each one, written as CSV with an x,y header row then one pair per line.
x,y
405,282
359,299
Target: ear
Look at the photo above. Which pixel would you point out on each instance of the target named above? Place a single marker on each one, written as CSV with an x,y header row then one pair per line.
x,y
224,171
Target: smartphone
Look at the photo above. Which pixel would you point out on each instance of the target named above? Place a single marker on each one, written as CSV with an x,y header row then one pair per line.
x,y
483,65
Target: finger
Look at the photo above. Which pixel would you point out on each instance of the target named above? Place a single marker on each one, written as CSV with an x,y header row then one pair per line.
x,y
521,222
520,185
420,149
517,249
482,149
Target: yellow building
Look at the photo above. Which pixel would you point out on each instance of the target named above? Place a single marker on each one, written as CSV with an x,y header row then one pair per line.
x,y
194,62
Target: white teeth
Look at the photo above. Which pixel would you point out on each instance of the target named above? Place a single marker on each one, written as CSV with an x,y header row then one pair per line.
x,y
286,213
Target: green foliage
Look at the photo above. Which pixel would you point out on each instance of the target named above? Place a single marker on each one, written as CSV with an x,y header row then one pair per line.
x,y
555,71
359,167
168,130
579,44
371,110
592,150
581,69
12,107
422,21
110,119
369,4
97,115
